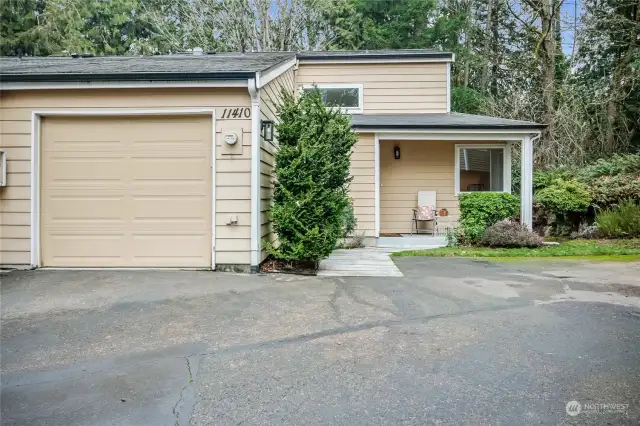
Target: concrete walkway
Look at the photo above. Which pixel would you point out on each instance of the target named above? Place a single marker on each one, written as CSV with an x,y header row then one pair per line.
x,y
374,261
360,262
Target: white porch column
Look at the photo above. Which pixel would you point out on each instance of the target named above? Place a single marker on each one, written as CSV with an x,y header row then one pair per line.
x,y
526,182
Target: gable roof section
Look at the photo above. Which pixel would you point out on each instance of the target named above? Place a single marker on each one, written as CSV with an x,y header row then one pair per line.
x,y
453,120
219,66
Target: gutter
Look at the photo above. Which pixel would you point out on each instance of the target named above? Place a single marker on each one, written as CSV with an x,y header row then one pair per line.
x,y
172,76
376,56
254,91
532,127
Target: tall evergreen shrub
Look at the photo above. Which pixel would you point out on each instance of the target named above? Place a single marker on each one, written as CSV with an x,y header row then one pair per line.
x,y
312,178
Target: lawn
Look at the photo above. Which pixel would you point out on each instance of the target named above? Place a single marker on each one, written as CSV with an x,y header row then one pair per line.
x,y
625,250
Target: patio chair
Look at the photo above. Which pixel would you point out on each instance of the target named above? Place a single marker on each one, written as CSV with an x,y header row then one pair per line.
x,y
425,212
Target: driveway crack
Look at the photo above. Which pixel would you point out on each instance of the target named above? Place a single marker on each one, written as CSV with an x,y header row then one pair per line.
x,y
187,396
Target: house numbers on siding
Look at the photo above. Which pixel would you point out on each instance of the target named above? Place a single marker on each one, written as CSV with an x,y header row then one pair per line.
x,y
236,113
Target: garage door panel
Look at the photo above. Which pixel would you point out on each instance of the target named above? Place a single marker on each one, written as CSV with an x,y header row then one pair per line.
x,y
166,247
173,190
79,148
85,170
180,207
65,208
164,169
129,192
85,250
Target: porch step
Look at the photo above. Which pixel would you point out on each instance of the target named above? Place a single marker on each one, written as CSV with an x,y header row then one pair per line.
x,y
408,242
360,262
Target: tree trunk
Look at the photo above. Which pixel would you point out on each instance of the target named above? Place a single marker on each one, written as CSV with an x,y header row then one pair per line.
x,y
548,16
484,79
616,93
467,43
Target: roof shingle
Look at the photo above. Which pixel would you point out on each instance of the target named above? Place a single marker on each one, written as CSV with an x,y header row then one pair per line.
x,y
453,120
221,65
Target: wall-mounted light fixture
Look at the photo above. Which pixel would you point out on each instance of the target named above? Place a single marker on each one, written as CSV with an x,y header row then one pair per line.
x,y
266,130
396,152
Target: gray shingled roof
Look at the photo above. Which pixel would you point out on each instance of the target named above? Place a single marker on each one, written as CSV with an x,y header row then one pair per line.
x,y
452,120
375,54
179,67
207,66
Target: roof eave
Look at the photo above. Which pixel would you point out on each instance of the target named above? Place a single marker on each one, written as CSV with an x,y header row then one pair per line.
x,y
167,76
370,127
373,56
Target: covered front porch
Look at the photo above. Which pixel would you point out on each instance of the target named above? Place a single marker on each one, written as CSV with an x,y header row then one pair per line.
x,y
442,155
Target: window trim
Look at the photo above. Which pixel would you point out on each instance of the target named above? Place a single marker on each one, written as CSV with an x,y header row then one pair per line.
x,y
506,167
349,110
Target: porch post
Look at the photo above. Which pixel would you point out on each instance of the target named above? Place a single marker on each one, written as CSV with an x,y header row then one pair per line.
x,y
376,182
526,182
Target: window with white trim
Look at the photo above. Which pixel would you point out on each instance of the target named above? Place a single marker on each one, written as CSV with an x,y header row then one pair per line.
x,y
481,168
347,97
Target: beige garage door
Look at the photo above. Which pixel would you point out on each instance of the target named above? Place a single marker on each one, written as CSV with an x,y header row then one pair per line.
x,y
129,191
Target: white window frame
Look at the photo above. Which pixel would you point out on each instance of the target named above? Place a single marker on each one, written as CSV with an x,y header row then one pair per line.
x,y
348,110
506,167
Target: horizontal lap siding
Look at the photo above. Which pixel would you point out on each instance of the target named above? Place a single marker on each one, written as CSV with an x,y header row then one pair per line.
x,y
233,171
423,166
388,88
362,188
270,100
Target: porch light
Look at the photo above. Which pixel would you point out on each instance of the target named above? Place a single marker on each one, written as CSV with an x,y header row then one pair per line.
x,y
396,152
266,130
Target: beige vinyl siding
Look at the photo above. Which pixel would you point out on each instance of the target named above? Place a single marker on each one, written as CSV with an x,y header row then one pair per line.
x,y
232,169
362,188
423,166
388,88
270,99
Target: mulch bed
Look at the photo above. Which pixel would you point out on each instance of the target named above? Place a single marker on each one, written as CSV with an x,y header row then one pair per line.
x,y
298,267
390,234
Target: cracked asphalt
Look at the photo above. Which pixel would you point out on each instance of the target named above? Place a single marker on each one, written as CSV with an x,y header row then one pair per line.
x,y
456,341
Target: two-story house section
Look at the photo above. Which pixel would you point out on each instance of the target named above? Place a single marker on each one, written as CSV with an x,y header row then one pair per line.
x,y
409,140
167,161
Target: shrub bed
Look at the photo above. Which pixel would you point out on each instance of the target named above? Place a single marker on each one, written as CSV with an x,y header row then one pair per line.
x,y
620,221
478,210
560,194
510,234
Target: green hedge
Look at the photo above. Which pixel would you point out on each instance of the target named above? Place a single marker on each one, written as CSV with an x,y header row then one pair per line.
x,y
478,210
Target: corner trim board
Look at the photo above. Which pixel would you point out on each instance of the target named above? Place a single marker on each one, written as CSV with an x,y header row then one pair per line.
x,y
254,91
449,87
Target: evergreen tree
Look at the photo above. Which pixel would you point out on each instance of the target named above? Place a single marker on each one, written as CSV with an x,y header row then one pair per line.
x,y
312,178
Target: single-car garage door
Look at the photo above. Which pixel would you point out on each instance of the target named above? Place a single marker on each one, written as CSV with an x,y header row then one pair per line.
x,y
126,191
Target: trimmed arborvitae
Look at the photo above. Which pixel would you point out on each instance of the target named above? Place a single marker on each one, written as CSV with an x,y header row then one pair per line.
x,y
312,178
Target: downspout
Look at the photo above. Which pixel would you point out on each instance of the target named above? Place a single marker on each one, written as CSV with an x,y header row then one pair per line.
x,y
253,84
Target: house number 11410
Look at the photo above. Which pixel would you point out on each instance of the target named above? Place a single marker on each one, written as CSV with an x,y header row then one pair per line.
x,y
236,113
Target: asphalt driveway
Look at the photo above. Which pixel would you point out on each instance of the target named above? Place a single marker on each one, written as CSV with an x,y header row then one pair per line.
x,y
453,342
